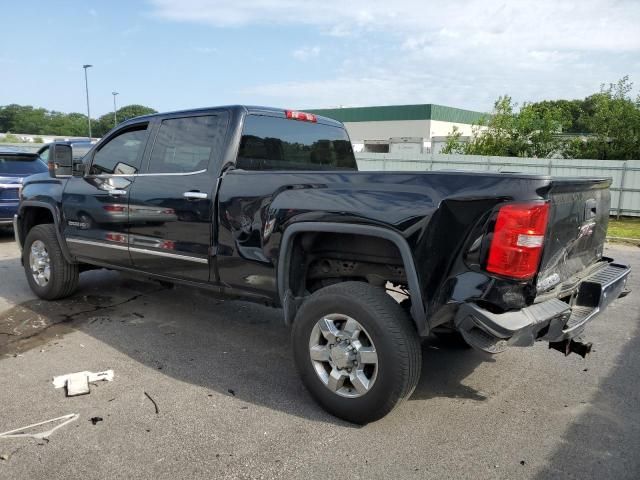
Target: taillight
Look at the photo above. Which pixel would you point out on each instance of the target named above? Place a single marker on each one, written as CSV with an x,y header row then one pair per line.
x,y
302,116
518,238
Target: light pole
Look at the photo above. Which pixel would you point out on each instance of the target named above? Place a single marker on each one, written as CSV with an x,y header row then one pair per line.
x,y
115,117
86,86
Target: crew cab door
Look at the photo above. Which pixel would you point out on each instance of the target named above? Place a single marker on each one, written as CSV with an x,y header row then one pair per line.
x,y
96,206
172,200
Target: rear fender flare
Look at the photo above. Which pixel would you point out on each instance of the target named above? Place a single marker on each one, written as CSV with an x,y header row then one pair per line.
x,y
289,302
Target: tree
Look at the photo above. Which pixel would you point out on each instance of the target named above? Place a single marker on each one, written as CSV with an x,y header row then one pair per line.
x,y
531,132
39,121
605,125
105,122
613,121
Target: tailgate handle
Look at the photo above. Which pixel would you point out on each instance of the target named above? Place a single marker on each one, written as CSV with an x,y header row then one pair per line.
x,y
590,209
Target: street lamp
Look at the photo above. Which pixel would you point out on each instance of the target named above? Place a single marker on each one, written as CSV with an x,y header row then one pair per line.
x,y
115,117
86,86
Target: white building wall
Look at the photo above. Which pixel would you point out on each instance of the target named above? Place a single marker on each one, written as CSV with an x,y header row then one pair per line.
x,y
439,128
360,131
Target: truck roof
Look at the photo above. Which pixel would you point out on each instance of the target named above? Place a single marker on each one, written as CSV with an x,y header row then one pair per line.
x,y
248,109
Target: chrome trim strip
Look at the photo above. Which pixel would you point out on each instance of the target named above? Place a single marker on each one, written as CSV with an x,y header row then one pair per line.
x,y
140,250
97,244
16,234
181,174
169,255
10,185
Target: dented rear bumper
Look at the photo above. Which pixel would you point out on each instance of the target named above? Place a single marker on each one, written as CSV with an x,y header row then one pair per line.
x,y
552,320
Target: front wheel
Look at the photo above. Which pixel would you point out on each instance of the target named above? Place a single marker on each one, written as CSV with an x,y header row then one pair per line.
x,y
357,351
49,274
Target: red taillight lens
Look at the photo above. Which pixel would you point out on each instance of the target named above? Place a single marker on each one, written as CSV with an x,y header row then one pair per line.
x,y
518,238
302,116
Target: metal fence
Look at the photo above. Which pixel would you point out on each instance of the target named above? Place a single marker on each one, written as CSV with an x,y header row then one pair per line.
x,y
625,189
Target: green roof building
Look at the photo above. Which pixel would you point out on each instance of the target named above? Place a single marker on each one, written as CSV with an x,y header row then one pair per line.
x,y
378,128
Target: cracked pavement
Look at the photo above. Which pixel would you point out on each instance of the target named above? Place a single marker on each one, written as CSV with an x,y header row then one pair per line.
x,y
206,388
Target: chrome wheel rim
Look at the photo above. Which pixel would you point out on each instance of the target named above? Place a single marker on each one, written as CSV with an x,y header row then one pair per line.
x,y
343,355
40,263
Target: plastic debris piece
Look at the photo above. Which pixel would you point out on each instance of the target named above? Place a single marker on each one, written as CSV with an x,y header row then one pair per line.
x,y
19,432
78,383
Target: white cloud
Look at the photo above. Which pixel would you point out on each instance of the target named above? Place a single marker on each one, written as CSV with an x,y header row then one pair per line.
x,y
539,24
463,53
305,53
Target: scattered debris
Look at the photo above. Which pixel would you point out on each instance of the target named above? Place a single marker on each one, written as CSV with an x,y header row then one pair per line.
x,y
95,420
78,383
4,456
232,392
522,462
19,432
154,402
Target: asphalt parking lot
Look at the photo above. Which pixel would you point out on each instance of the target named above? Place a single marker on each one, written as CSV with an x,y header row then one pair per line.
x,y
229,403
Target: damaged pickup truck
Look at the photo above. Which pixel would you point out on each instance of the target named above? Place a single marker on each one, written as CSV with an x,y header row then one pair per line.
x,y
269,205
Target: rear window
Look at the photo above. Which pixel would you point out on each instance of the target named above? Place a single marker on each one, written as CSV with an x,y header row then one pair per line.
x,y
19,165
270,143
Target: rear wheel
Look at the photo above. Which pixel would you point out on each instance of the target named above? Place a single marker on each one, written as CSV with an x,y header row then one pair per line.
x,y
357,351
49,274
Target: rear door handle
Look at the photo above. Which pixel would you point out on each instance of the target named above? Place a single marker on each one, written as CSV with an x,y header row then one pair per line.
x,y
195,195
117,193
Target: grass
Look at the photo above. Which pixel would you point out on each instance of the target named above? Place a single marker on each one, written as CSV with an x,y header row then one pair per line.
x,y
626,227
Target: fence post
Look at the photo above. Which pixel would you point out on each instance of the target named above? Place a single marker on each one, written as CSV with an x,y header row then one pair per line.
x,y
488,163
624,171
431,163
550,163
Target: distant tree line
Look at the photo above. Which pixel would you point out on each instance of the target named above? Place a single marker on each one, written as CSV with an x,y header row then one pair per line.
x,y
40,121
605,126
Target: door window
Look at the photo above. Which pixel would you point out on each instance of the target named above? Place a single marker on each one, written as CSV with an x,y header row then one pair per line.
x,y
184,145
121,154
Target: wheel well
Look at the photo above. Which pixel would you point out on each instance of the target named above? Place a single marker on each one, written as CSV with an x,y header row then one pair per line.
x,y
319,259
32,216
371,253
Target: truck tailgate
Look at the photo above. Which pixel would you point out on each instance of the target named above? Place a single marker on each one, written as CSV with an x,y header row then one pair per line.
x,y
576,232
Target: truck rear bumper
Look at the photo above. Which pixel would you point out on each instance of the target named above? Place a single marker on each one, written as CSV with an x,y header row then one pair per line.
x,y
552,320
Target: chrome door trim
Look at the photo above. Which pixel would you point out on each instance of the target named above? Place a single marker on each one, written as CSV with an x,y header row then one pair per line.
x,y
140,250
97,244
175,174
169,255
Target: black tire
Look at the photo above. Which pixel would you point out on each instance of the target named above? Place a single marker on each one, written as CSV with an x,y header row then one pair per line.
x,y
63,278
393,334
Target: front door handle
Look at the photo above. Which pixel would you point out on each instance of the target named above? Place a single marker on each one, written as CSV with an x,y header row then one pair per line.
x,y
195,195
117,193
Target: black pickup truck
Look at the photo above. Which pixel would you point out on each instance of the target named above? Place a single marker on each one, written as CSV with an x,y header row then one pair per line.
x,y
268,204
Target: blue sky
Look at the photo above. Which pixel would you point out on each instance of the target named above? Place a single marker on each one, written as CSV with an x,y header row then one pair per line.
x,y
174,54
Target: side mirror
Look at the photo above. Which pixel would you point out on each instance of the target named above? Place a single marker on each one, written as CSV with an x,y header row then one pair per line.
x,y
60,160
78,168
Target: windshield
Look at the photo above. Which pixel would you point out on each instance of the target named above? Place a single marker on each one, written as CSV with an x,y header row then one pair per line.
x,y
270,143
21,165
